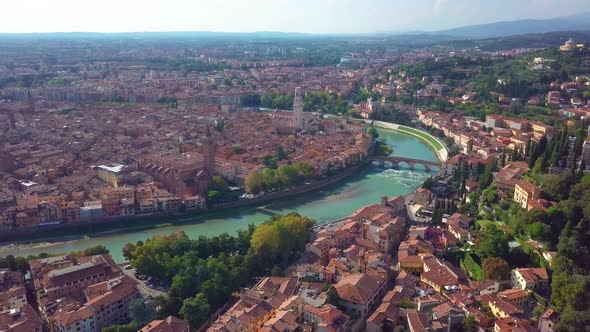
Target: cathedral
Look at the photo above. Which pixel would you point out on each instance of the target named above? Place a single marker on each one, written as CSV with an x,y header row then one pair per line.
x,y
187,173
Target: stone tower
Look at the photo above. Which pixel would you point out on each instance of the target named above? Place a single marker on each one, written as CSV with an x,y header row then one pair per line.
x,y
209,152
30,103
298,121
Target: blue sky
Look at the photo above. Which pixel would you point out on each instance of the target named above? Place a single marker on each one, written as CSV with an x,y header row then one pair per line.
x,y
311,16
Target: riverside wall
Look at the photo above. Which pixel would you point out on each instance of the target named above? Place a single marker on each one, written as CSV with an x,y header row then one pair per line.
x,y
442,154
22,234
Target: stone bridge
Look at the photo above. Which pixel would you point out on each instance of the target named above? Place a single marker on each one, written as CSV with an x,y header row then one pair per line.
x,y
395,161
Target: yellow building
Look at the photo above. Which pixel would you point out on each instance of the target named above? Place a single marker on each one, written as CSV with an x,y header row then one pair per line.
x,y
110,173
525,192
502,309
518,297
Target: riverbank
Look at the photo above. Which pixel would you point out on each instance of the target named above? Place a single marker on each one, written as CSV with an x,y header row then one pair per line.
x,y
363,187
433,142
60,234
437,146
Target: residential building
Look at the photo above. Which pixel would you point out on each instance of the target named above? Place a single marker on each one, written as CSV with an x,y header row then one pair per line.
x,y
327,318
72,279
13,294
525,192
24,319
530,278
169,324
518,297
548,320
359,292
106,303
417,321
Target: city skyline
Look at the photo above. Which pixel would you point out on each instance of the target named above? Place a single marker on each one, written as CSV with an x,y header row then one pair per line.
x,y
306,16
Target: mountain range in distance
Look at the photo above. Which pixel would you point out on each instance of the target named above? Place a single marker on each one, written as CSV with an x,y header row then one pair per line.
x,y
578,22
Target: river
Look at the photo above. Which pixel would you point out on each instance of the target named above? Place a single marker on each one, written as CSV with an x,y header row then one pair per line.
x,y
332,203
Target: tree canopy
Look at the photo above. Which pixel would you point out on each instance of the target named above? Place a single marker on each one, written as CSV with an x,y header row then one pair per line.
x,y
206,271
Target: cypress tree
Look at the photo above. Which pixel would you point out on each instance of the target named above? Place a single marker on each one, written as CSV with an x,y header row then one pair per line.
x,y
527,150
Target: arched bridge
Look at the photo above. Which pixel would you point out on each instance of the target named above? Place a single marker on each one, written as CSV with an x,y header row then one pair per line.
x,y
395,161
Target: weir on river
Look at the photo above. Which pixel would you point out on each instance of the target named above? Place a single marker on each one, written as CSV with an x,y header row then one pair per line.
x,y
330,203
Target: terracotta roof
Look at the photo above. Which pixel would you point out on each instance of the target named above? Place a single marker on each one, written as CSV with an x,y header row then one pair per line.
x,y
512,294
385,311
170,324
533,274
358,288
26,320
416,320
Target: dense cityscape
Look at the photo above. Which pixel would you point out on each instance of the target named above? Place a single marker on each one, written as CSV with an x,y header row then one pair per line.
x,y
114,134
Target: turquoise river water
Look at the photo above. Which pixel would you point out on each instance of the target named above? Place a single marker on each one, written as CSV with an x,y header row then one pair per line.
x,y
331,203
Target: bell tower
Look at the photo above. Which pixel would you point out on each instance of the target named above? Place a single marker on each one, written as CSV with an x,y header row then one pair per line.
x,y
209,152
30,103
298,121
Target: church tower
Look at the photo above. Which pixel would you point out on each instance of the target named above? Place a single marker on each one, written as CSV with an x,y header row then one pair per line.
x,y
298,121
209,152
30,103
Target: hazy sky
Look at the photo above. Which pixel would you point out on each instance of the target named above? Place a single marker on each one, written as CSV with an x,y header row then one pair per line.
x,y
315,16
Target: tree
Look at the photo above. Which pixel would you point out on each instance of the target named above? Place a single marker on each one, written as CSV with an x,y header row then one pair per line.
x,y
491,243
128,251
168,305
185,285
557,187
276,271
527,149
373,132
254,182
280,153
538,151
96,250
487,177
470,324
11,262
213,195
573,321
287,175
437,216
219,125
250,100
496,268
428,183
539,231
304,170
540,165
218,183
120,328
332,296
142,312
195,310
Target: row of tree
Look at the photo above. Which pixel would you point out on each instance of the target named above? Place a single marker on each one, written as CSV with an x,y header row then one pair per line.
x,y
571,269
284,176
